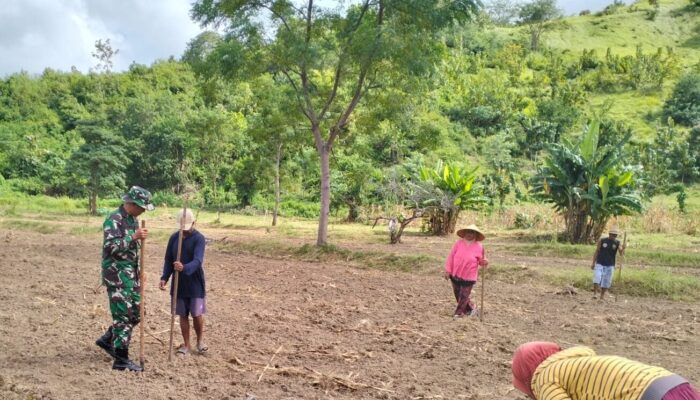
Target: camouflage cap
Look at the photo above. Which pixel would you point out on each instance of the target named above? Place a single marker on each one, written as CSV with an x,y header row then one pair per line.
x,y
139,196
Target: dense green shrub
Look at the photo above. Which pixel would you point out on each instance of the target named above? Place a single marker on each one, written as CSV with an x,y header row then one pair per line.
x,y
297,208
684,104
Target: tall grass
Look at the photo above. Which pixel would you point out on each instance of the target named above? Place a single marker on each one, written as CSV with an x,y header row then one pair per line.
x,y
653,282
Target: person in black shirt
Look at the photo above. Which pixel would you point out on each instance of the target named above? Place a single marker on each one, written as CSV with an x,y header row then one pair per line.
x,y
603,264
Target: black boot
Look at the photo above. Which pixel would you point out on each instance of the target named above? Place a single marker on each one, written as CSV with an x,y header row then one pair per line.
x,y
105,343
122,362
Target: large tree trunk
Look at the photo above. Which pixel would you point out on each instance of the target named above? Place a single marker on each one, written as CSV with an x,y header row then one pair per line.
x,y
324,151
277,185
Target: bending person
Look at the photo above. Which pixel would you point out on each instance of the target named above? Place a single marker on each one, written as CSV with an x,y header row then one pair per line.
x,y
544,371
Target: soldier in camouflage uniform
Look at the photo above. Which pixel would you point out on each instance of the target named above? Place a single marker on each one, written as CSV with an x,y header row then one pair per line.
x,y
120,274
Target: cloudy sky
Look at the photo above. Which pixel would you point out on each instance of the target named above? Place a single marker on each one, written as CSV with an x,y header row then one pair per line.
x,y
35,34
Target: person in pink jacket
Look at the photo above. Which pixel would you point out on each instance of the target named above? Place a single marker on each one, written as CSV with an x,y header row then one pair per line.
x,y
462,268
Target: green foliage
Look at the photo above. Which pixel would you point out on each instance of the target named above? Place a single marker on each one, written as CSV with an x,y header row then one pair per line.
x,y
672,158
615,7
296,208
484,103
497,150
643,71
680,198
535,15
443,192
330,59
684,103
100,162
587,184
525,221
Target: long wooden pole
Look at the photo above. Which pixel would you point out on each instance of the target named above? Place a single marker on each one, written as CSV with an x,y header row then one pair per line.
x,y
483,289
619,270
173,300
142,275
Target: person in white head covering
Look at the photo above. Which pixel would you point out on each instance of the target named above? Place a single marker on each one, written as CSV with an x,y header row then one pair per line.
x,y
603,264
191,289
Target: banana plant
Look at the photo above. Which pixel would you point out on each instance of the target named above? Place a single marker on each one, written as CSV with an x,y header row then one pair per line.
x,y
588,184
446,190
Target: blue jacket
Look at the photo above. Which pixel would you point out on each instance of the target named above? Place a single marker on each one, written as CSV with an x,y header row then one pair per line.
x,y
191,281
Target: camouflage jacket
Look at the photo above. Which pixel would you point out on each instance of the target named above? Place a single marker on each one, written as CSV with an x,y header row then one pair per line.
x,y
120,253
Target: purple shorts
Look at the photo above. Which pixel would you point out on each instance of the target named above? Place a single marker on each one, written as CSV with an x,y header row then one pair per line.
x,y
195,306
682,392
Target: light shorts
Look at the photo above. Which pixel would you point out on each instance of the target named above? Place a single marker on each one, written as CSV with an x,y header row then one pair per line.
x,y
602,275
196,306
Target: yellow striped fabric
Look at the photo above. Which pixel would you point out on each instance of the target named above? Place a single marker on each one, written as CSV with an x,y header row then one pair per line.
x,y
579,374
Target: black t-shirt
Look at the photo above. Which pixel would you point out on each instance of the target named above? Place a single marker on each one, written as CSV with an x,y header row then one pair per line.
x,y
607,252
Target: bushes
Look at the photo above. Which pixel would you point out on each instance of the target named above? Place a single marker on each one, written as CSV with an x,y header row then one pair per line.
x,y
684,104
525,221
299,208
643,71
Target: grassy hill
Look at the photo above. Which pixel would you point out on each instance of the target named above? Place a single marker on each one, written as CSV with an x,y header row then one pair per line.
x,y
676,25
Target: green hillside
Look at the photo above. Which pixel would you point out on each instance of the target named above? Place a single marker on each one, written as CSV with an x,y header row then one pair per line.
x,y
676,26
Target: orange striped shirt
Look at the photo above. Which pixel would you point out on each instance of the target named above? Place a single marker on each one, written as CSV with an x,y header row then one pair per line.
x,y
578,373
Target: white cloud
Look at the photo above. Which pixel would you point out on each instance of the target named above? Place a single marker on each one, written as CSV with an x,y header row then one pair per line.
x,y
58,34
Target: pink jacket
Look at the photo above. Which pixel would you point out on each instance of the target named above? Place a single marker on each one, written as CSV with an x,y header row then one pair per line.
x,y
463,261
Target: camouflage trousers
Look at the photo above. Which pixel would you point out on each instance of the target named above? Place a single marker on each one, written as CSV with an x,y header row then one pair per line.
x,y
125,305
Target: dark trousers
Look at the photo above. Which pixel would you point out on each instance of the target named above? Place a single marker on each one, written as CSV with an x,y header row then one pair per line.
x,y
462,290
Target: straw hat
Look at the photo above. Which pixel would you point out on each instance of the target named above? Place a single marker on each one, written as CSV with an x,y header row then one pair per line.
x,y
187,221
615,230
479,236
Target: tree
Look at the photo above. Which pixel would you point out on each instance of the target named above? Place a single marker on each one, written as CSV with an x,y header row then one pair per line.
x,y
497,152
587,184
218,140
100,162
398,194
502,12
273,128
535,16
331,60
684,104
104,53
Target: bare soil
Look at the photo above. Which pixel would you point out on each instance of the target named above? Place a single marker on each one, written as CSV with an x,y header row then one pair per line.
x,y
284,329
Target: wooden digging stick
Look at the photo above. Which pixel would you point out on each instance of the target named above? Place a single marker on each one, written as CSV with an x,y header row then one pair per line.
x,y
483,289
173,300
619,271
142,311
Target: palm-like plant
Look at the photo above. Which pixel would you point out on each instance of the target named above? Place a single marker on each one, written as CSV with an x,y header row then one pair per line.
x,y
443,192
587,184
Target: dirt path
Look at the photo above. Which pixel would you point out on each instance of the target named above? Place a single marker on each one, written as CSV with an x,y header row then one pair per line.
x,y
281,329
